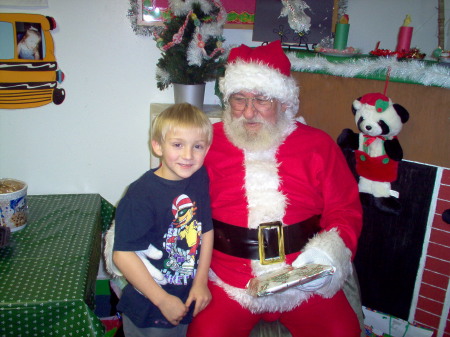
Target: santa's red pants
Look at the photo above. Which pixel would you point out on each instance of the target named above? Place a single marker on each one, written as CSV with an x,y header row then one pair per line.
x,y
318,317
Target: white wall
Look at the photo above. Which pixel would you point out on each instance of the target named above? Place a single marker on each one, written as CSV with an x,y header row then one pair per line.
x,y
379,20
96,140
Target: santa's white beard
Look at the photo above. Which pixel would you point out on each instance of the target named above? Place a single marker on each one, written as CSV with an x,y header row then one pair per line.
x,y
268,136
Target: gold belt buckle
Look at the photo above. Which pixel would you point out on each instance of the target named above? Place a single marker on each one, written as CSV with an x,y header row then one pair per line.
x,y
262,256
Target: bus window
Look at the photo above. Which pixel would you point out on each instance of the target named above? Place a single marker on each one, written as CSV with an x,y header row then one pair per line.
x,y
6,41
29,41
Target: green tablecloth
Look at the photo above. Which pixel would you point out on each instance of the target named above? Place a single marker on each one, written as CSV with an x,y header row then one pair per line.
x,y
49,269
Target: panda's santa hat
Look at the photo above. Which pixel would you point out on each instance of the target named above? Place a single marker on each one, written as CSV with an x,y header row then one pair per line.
x,y
265,70
379,101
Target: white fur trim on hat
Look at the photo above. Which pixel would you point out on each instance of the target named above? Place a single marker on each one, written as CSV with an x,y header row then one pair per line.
x,y
258,77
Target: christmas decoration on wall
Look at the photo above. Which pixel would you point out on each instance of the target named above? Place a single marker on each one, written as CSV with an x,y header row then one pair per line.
x,y
240,14
29,74
296,23
135,13
341,33
415,71
147,16
191,43
413,53
405,35
298,20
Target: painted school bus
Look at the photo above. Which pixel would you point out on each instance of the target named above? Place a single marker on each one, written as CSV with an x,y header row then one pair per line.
x,y
29,74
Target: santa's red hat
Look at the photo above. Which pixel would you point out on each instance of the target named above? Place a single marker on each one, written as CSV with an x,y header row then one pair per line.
x,y
265,70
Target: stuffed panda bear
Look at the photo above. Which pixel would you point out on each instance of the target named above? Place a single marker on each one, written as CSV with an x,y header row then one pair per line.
x,y
376,147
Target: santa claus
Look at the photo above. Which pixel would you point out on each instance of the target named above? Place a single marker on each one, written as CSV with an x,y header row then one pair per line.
x,y
281,194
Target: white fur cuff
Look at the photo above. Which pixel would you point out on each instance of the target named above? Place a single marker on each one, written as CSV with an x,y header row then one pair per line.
x,y
332,245
280,302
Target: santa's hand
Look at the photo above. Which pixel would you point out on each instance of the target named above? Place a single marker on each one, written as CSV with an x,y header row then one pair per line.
x,y
314,256
316,284
153,253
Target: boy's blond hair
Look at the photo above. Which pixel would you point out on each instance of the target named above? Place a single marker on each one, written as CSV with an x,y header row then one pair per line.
x,y
182,115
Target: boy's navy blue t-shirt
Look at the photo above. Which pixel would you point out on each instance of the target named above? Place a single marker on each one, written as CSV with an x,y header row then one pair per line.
x,y
170,215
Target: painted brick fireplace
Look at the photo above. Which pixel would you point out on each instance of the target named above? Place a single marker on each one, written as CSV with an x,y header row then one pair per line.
x,y
432,298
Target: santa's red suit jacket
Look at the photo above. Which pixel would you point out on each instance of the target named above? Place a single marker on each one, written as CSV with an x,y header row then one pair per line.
x,y
314,177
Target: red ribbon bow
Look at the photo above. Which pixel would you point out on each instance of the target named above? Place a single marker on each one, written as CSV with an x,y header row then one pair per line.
x,y
370,139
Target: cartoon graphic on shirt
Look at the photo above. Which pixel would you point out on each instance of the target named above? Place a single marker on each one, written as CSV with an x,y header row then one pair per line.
x,y
181,241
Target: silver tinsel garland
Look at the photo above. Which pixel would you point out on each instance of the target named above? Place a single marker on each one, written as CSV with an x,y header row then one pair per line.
x,y
415,71
133,13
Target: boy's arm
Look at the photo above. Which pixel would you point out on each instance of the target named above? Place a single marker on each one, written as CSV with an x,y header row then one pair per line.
x,y
199,291
137,274
205,258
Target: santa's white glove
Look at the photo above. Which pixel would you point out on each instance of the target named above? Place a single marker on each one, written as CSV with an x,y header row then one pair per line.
x,y
314,256
151,252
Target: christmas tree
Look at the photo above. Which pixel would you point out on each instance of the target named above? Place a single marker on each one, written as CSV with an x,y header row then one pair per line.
x,y
191,43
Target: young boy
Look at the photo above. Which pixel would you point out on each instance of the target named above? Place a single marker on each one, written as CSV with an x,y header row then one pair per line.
x,y
167,208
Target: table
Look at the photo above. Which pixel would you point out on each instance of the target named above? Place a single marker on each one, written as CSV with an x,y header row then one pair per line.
x,y
49,269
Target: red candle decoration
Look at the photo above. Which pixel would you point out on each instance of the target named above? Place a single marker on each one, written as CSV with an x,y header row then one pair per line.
x,y
404,36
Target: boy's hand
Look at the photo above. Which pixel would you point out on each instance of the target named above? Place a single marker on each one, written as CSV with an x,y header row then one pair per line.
x,y
201,295
173,309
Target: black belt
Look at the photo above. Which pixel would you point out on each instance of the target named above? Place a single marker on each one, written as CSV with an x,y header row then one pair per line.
x,y
276,240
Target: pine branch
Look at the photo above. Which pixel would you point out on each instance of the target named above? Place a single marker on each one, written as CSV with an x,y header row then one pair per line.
x,y
174,41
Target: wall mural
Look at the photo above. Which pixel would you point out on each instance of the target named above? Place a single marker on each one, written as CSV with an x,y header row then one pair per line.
x,y
147,15
29,74
294,22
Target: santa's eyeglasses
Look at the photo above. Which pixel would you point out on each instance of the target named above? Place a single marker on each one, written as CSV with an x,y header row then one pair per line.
x,y
259,103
